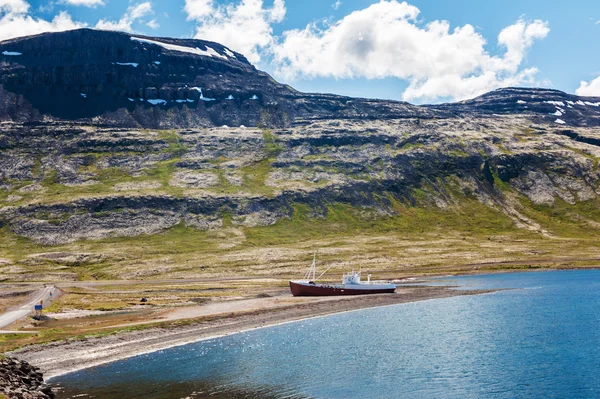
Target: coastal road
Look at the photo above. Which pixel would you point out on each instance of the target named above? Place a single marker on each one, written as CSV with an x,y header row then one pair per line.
x,y
20,311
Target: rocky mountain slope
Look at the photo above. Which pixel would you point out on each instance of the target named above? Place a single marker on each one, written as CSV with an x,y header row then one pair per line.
x,y
126,80
112,135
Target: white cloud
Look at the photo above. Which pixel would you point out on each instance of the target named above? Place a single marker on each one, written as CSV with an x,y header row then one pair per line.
x,y
133,14
85,3
140,10
277,12
244,27
591,89
124,24
197,9
386,40
517,39
336,5
14,6
24,25
153,24
46,8
15,22
383,40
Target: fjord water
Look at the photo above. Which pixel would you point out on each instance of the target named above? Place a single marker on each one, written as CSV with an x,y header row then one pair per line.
x,y
539,340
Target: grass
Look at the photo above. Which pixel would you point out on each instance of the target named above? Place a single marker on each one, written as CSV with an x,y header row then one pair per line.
x,y
105,179
163,171
253,176
10,342
175,144
463,229
272,146
253,180
54,191
579,220
595,160
74,300
417,240
407,147
344,220
84,330
408,235
182,250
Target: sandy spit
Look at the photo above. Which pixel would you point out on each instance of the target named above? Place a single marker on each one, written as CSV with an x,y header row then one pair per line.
x,y
63,357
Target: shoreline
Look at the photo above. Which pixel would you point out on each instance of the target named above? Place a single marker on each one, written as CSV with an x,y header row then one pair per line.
x,y
64,357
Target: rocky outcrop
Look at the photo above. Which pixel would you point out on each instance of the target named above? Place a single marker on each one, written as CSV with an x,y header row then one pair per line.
x,y
541,105
21,380
129,80
107,134
81,183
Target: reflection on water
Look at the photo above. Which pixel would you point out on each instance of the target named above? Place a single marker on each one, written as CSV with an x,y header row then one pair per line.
x,y
541,341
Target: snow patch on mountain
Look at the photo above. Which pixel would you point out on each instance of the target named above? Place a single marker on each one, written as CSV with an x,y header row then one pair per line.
x,y
209,52
133,64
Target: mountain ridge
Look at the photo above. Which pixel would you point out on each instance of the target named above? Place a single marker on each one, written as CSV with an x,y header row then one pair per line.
x,y
285,170
114,78
118,79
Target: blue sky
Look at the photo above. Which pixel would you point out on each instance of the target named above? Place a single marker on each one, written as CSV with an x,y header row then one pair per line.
x,y
364,48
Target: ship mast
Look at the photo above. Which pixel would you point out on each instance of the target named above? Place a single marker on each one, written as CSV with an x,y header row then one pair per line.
x,y
311,273
312,270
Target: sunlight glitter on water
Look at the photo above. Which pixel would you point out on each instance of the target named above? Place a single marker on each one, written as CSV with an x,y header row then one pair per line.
x,y
539,340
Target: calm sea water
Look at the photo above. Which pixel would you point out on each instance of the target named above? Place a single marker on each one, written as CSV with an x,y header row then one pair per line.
x,y
541,340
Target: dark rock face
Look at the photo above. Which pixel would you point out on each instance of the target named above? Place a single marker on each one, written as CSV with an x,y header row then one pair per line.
x,y
21,380
86,73
579,137
120,79
540,104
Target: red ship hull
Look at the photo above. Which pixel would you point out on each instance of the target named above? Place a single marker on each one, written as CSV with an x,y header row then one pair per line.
x,y
331,290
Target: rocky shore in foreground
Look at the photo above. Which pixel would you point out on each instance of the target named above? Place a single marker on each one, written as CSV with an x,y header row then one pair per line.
x,y
21,380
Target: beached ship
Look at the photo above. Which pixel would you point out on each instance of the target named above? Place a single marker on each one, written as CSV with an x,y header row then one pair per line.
x,y
351,285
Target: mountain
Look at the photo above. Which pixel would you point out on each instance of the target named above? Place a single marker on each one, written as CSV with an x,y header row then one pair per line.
x,y
126,80
137,156
541,105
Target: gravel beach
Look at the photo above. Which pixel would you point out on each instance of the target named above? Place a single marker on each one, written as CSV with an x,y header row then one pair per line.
x,y
67,356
